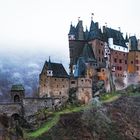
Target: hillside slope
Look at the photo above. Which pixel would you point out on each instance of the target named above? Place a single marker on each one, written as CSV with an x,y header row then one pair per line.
x,y
119,120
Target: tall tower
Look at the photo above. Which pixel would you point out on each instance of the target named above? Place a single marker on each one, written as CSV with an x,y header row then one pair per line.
x,y
76,44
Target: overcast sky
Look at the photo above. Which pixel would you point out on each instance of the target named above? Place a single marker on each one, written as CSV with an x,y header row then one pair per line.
x,y
41,26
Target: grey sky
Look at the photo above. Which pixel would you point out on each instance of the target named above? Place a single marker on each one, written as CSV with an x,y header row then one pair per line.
x,y
29,25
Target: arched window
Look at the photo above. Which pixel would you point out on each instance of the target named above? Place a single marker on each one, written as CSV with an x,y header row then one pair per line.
x,y
16,98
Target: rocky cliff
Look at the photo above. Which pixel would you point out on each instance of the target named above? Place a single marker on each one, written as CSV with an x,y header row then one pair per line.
x,y
119,120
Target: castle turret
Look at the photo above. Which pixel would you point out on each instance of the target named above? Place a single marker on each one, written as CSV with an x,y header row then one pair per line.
x,y
79,30
71,34
17,93
76,43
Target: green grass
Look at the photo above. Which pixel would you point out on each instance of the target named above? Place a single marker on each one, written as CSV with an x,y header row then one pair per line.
x,y
133,94
110,97
48,125
56,115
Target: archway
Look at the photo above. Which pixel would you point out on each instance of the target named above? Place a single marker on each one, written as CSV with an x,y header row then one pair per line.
x,y
87,97
16,99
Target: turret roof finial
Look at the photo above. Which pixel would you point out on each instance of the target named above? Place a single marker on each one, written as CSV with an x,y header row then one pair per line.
x,y
78,19
106,24
49,59
92,14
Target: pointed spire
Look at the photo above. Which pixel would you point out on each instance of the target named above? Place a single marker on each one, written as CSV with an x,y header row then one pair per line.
x,y
49,59
126,38
79,30
86,33
72,30
49,64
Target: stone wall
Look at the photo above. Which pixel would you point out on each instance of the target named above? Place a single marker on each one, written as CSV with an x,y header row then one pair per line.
x,y
11,108
53,86
32,105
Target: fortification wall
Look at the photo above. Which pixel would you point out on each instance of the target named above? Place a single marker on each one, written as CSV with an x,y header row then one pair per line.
x,y
32,105
11,108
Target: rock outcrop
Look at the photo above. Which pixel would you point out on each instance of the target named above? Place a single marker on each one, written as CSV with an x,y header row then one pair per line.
x,y
119,120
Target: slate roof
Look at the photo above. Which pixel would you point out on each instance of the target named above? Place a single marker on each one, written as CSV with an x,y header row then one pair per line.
x,y
133,43
77,31
88,53
117,36
86,34
126,38
17,88
57,68
80,67
94,32
72,30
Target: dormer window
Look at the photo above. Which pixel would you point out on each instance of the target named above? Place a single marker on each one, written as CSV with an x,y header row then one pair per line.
x,y
49,73
71,37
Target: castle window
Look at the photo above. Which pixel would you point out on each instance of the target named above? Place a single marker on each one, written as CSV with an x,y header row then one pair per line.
x,y
62,79
137,68
63,86
125,61
137,61
72,82
99,51
120,61
99,59
55,79
115,60
60,93
131,62
120,68
57,86
102,53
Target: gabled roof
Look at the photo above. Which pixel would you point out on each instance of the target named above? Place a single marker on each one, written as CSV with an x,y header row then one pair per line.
x,y
88,53
118,39
133,43
57,69
79,31
17,88
94,32
72,30
80,68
